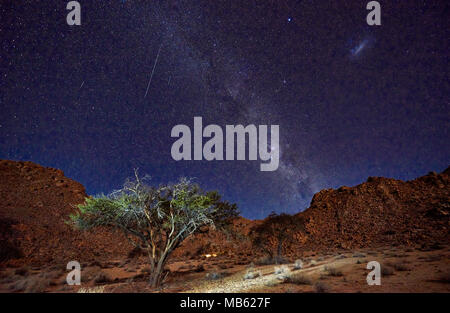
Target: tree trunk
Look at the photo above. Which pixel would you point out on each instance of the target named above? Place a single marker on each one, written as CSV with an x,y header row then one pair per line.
x,y
155,277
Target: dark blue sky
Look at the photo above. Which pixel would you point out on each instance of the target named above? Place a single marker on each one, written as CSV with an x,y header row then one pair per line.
x,y
351,100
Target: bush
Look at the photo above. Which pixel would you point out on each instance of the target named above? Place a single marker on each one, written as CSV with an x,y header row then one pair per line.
x,y
251,274
299,279
214,276
298,264
281,269
313,263
282,272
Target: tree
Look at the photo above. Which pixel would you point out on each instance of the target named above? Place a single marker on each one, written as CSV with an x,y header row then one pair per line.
x,y
155,219
274,232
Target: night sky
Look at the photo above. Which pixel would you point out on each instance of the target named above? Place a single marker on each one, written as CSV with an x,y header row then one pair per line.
x,y
351,100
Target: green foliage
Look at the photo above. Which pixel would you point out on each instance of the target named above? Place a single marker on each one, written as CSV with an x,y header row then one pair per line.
x,y
155,219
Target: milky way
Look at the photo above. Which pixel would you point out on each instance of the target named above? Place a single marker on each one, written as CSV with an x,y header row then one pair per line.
x,y
100,99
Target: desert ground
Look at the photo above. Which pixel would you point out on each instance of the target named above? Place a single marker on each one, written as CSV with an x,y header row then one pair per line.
x,y
420,269
403,225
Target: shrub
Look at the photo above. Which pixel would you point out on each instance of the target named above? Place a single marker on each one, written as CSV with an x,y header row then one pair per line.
x,y
281,269
298,264
251,274
282,272
313,263
299,279
214,276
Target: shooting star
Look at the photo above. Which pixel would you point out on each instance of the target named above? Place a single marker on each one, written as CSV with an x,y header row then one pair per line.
x,y
356,51
153,70
81,85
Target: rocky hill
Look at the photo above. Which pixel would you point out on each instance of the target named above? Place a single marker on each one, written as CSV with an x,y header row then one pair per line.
x,y
381,211
36,202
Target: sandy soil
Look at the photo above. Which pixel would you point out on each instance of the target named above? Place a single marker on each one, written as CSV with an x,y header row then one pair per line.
x,y
407,270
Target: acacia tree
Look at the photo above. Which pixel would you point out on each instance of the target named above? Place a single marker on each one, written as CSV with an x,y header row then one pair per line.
x,y
274,232
155,219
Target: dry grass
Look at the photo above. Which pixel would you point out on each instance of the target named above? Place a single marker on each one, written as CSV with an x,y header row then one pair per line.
x,y
215,276
98,289
251,274
298,279
298,264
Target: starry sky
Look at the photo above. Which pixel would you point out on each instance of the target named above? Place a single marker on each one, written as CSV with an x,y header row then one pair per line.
x,y
351,100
